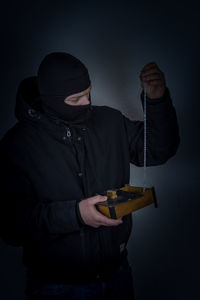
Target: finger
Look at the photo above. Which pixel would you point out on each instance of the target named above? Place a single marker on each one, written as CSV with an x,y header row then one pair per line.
x,y
153,82
98,198
156,82
112,223
152,77
151,71
108,224
149,66
103,220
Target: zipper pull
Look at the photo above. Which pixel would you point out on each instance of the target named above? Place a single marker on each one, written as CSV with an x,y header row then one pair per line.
x,y
68,132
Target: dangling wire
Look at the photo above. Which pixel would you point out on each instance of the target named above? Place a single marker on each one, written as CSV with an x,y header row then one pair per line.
x,y
145,138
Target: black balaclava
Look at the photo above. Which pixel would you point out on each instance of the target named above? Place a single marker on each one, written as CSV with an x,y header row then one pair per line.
x,y
60,75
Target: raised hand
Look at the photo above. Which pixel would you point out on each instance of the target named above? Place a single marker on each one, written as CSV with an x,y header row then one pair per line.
x,y
154,79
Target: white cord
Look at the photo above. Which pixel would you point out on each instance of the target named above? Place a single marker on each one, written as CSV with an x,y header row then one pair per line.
x,y
145,138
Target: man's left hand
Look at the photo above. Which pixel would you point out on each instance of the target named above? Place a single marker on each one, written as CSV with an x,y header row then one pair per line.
x,y
154,79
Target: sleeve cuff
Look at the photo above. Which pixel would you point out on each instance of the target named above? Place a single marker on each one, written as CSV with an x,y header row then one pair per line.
x,y
78,214
164,98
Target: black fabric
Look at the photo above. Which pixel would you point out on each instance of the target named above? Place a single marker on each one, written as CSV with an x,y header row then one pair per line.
x,y
59,76
80,219
71,114
45,171
62,74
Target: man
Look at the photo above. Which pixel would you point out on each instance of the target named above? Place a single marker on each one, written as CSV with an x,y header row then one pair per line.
x,y
58,159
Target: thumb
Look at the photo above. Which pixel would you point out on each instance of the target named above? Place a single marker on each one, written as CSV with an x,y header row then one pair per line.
x,y
99,198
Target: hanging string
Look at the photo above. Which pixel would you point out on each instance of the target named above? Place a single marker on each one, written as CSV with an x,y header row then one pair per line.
x,y
145,138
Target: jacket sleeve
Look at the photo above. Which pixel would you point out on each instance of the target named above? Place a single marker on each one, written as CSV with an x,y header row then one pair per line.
x,y
24,220
162,132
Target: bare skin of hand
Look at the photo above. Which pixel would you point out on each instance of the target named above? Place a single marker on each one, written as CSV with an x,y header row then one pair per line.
x,y
91,216
154,79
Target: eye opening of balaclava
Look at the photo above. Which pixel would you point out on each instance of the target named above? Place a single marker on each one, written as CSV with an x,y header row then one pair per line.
x,y
61,75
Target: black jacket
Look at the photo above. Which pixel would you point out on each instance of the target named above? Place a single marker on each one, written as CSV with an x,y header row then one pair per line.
x,y
47,166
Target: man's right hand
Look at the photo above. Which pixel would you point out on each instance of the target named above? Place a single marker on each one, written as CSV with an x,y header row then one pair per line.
x,y
91,216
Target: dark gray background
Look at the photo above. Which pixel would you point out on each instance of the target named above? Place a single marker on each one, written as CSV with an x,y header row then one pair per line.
x,y
115,40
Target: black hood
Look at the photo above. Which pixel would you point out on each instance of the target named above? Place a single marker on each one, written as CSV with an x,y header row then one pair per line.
x,y
28,103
